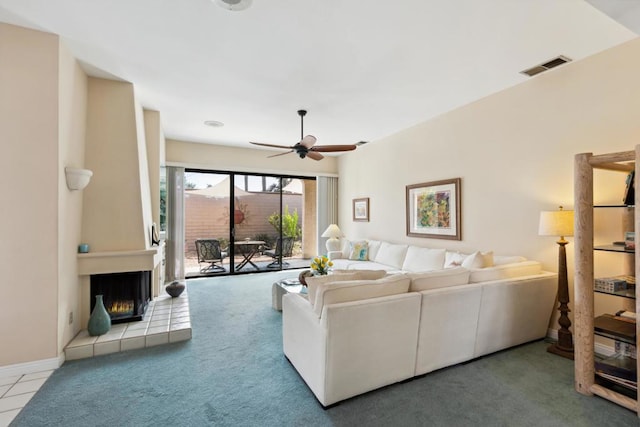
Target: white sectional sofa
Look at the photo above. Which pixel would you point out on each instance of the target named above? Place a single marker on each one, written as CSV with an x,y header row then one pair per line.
x,y
375,323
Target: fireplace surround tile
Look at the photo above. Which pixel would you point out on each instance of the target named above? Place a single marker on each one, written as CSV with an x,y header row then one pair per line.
x,y
166,320
157,339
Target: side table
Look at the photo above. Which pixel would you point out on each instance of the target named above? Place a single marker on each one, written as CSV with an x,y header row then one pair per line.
x,y
285,286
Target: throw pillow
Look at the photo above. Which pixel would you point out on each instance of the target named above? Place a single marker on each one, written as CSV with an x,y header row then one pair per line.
x,y
453,259
423,259
391,254
478,260
374,246
359,251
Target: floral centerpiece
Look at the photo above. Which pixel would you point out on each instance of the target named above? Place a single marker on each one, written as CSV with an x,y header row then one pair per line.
x,y
321,265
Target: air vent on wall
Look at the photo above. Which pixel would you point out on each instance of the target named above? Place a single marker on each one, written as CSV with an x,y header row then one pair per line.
x,y
546,66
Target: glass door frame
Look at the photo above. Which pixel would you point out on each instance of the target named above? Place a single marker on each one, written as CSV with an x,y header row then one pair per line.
x,y
232,206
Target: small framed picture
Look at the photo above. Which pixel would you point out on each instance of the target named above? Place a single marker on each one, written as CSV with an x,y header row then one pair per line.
x,y
433,209
361,209
630,240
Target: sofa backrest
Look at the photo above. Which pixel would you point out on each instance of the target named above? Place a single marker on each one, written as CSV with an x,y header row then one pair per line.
x,y
354,290
438,279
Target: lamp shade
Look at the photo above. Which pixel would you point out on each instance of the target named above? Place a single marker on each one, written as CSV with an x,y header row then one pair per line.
x,y
332,231
556,223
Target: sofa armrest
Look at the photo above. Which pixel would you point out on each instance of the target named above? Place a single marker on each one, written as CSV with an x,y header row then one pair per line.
x,y
304,340
370,343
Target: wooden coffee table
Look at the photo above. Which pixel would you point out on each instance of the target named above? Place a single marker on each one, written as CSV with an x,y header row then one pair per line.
x,y
285,286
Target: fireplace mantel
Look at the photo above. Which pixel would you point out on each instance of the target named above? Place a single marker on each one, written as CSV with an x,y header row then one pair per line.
x,y
118,261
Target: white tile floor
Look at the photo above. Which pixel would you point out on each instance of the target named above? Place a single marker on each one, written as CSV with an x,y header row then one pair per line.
x,y
167,320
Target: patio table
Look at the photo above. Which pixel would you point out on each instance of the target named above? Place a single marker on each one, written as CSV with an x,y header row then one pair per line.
x,y
248,248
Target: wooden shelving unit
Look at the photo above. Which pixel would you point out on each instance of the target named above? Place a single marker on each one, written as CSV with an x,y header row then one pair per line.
x,y
586,381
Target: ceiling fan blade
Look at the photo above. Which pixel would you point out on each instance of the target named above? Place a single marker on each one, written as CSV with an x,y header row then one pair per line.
x,y
280,154
331,148
308,141
270,145
315,155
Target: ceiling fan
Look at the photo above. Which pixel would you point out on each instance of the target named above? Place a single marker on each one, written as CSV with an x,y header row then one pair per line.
x,y
306,147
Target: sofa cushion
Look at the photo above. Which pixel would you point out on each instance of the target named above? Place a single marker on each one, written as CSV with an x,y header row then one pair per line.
x,y
359,251
314,281
423,259
506,271
363,274
504,259
391,254
438,279
374,247
478,260
354,290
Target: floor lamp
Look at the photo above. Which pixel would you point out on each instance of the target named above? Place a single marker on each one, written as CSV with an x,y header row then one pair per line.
x,y
560,223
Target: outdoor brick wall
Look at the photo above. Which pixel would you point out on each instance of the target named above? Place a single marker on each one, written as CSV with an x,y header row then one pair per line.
x,y
208,217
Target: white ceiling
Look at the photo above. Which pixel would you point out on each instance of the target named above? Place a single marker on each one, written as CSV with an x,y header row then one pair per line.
x,y
364,69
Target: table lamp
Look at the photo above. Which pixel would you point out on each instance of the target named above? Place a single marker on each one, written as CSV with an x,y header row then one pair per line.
x,y
334,234
560,223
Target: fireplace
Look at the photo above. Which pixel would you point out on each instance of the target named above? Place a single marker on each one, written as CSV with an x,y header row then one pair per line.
x,y
125,295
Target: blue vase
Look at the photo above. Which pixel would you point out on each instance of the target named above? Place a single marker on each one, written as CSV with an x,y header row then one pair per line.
x,y
100,321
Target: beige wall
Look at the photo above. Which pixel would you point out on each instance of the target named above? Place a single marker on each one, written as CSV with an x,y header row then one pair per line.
x,y
72,115
514,152
117,214
155,157
31,179
223,158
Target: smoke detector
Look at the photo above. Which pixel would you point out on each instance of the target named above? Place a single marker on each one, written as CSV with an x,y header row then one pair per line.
x,y
234,4
552,63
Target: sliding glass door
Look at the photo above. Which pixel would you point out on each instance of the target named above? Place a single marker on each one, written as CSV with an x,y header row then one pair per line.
x,y
244,223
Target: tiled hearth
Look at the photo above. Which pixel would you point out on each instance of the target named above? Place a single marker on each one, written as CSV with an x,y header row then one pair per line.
x,y
167,320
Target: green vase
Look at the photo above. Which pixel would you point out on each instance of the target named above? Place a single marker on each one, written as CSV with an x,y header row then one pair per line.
x,y
100,321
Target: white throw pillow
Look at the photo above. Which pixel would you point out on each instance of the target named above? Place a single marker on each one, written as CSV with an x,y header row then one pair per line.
x,y
392,255
506,271
453,259
359,251
478,260
439,279
423,259
355,290
374,247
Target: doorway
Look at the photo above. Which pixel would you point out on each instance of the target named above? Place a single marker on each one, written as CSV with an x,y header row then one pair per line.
x,y
239,223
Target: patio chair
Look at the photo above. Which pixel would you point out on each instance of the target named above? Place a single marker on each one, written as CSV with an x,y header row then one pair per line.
x,y
284,247
210,253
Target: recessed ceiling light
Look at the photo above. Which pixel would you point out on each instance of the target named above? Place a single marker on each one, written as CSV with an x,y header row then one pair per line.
x,y
214,123
234,4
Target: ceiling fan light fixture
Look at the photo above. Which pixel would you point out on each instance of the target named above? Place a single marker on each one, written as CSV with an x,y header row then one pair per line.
x,y
234,5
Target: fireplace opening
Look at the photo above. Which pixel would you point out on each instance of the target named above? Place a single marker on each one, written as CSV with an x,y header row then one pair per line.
x,y
125,295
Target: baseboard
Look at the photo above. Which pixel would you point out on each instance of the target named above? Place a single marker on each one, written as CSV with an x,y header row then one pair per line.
x,y
31,367
600,349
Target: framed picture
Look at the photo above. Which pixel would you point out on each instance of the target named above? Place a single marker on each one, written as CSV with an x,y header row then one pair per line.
x,y
361,209
433,210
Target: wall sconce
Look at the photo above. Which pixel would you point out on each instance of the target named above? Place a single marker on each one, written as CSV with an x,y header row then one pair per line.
x,y
77,179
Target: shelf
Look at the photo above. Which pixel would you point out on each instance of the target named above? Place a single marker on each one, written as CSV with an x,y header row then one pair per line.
x,y
625,293
614,206
609,326
614,248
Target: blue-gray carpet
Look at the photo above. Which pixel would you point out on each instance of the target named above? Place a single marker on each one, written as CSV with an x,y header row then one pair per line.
x,y
233,373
